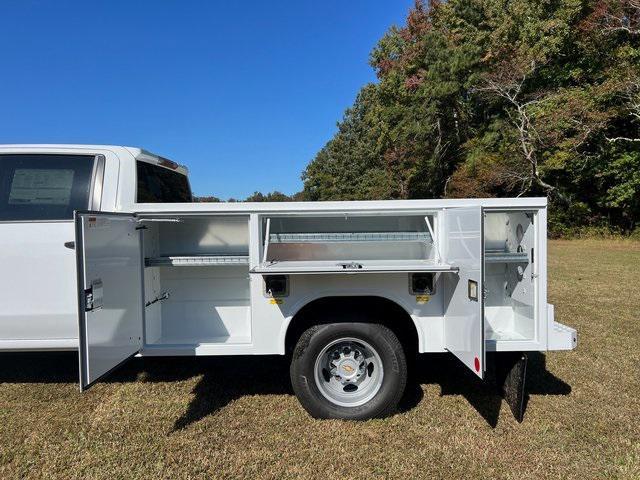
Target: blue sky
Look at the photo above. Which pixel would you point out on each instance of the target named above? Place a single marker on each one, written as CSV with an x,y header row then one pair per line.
x,y
244,93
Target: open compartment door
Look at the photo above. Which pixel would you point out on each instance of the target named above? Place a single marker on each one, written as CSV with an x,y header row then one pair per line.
x,y
464,299
110,297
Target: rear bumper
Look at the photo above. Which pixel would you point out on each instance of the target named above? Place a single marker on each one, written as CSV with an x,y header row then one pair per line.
x,y
560,337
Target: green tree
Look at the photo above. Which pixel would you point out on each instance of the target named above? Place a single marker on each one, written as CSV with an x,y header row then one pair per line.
x,y
496,98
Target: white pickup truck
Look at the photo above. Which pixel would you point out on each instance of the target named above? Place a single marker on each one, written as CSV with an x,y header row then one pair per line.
x,y
103,251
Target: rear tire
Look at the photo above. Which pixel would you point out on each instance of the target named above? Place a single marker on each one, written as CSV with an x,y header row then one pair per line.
x,y
350,371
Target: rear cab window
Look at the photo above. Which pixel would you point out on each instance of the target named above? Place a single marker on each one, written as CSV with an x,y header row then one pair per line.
x,y
157,184
44,187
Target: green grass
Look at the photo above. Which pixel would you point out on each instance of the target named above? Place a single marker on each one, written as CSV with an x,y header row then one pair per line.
x,y
236,417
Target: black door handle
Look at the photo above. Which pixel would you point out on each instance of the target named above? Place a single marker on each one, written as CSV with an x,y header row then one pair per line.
x,y
71,245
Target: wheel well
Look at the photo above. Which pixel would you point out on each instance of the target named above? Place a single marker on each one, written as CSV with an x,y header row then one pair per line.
x,y
368,309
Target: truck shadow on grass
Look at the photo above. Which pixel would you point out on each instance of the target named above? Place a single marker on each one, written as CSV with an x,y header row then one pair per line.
x,y
225,379
484,396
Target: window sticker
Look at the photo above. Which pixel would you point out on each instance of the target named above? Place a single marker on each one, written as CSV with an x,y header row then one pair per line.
x,y
41,187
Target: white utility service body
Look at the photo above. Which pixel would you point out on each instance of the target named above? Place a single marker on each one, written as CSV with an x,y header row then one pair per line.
x,y
157,279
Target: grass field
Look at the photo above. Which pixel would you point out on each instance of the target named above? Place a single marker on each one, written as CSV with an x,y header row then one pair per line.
x,y
236,417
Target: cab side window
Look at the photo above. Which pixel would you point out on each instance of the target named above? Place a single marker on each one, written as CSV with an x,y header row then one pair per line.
x,y
44,187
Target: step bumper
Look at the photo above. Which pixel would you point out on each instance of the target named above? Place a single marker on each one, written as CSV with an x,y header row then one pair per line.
x,y
561,337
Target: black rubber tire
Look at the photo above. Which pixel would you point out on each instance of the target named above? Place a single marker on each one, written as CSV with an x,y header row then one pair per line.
x,y
316,338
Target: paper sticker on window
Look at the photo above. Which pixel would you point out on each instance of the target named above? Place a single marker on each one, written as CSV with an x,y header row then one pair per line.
x,y
41,187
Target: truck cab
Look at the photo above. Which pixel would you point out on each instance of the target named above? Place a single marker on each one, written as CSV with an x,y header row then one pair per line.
x,y
40,188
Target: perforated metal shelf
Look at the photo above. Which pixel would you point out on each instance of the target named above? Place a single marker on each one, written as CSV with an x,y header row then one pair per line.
x,y
330,237
506,257
196,260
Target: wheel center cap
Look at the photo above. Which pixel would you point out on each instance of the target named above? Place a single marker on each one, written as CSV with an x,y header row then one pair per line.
x,y
348,368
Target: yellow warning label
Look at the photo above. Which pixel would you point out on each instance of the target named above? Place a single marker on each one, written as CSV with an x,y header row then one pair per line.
x,y
422,298
276,301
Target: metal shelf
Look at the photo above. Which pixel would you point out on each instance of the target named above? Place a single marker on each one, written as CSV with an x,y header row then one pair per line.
x,y
196,260
364,266
333,237
506,257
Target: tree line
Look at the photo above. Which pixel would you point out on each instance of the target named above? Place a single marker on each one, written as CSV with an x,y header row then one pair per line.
x,y
486,98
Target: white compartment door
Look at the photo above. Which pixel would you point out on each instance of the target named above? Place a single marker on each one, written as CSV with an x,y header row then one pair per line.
x,y
110,298
464,302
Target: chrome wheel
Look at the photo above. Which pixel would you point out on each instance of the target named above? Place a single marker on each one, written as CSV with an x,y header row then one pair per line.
x,y
348,372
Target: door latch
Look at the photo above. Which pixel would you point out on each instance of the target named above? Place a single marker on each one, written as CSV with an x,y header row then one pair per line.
x,y
350,266
93,296
159,298
472,290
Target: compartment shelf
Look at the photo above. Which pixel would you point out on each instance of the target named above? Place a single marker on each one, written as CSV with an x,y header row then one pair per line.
x,y
348,237
171,340
364,266
506,257
503,335
196,260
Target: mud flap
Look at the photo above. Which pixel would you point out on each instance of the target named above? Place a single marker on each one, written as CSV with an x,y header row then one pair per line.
x,y
508,372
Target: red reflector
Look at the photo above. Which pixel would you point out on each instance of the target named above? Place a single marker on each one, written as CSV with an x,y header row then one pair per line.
x,y
476,364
